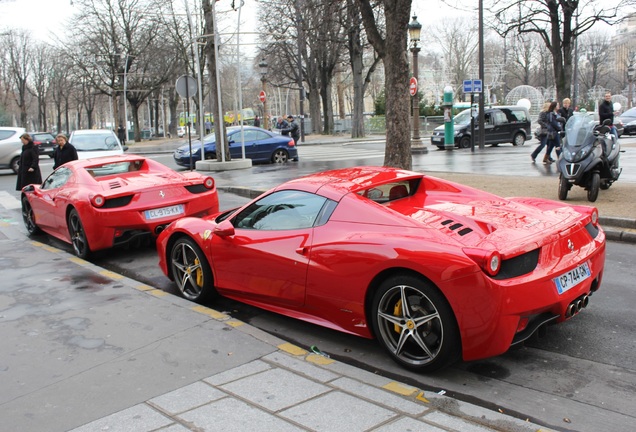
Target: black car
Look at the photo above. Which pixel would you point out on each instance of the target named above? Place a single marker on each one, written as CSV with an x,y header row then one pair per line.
x,y
45,142
628,118
503,124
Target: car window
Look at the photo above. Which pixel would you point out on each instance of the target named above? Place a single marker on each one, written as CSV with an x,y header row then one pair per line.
x,y
57,179
390,191
4,134
282,210
516,116
499,118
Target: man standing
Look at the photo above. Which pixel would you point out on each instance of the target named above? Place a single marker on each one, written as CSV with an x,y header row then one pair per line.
x,y
606,111
566,111
121,134
281,125
292,129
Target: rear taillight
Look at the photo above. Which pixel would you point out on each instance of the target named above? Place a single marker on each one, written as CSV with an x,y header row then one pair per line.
x,y
208,182
98,201
489,261
291,143
595,217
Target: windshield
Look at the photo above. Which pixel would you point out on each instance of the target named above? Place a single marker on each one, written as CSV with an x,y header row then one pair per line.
x,y
95,142
579,130
463,118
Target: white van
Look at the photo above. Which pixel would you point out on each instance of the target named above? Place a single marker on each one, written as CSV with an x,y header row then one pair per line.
x,y
92,143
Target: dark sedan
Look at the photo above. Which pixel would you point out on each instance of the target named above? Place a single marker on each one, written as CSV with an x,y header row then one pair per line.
x,y
45,142
629,121
260,146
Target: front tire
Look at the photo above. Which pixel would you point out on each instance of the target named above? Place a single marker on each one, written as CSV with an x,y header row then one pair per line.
x,y
191,271
464,142
414,323
78,235
564,187
595,184
519,139
280,156
29,217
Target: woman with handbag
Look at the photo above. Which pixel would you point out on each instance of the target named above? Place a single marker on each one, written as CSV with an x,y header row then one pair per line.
x,y
554,127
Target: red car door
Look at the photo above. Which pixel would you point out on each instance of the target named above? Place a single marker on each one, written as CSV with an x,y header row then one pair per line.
x,y
49,201
267,258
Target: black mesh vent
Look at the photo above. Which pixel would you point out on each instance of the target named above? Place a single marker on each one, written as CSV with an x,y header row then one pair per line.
x,y
197,189
592,230
118,202
518,265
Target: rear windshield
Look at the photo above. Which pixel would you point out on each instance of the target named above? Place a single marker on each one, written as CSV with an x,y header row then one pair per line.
x,y
115,168
95,142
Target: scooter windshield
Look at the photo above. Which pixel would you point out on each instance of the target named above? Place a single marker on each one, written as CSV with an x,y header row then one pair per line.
x,y
579,131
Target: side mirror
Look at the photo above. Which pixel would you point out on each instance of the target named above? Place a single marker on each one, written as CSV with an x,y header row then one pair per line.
x,y
224,229
29,188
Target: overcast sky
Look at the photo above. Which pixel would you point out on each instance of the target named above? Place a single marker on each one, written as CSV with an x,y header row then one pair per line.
x,y
42,17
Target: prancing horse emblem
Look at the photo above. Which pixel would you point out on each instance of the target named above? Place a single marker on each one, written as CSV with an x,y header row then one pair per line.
x,y
163,195
570,245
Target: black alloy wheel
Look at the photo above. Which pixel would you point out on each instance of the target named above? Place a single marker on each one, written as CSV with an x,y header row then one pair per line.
x,y
78,235
29,217
280,156
414,323
191,271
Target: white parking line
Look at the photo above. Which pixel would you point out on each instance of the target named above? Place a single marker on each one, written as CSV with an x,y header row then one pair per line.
x,y
8,201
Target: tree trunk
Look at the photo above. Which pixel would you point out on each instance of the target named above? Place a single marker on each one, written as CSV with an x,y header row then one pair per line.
x,y
314,110
327,106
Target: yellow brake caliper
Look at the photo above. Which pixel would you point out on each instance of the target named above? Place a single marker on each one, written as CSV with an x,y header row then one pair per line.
x,y
199,273
397,311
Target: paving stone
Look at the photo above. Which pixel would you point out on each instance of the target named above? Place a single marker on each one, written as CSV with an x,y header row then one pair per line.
x,y
338,412
242,371
235,415
139,418
275,389
301,366
187,398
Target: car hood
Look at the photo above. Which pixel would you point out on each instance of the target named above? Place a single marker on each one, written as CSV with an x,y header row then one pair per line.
x,y
508,225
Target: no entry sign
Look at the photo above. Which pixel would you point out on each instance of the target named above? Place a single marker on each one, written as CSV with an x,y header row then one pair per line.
x,y
261,96
413,86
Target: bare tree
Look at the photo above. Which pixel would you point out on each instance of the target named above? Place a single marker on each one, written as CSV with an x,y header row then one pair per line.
x,y
558,23
19,49
392,49
595,48
42,66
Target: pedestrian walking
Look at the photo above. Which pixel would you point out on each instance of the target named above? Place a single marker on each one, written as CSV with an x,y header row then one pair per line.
x,y
257,122
292,129
29,168
543,134
208,127
65,151
121,134
554,127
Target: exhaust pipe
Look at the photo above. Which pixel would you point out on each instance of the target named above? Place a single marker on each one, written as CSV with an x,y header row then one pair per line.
x,y
159,228
586,301
577,305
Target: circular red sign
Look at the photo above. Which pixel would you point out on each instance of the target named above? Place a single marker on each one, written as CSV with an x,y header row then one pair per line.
x,y
413,86
261,96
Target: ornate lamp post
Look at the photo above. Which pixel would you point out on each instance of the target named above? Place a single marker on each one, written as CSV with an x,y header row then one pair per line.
x,y
263,67
631,71
414,35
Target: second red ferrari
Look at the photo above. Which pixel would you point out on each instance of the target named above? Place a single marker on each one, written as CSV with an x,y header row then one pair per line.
x,y
104,202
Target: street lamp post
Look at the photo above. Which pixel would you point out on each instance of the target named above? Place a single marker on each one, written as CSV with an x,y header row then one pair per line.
x,y
414,35
263,67
631,71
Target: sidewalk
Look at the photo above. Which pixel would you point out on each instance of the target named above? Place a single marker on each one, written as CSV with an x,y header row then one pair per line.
x,y
85,349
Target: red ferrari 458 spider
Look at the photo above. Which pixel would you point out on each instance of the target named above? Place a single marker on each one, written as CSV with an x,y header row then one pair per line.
x,y
104,202
433,269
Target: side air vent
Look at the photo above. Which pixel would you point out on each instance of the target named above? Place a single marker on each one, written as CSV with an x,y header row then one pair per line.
x,y
464,231
114,184
455,226
591,229
447,221
118,202
197,189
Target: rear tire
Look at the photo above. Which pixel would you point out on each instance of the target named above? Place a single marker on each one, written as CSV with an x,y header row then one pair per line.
x,y
280,156
564,187
78,235
464,142
15,164
414,323
519,139
595,183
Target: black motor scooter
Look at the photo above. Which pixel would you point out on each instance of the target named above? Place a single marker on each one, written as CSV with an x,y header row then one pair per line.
x,y
589,156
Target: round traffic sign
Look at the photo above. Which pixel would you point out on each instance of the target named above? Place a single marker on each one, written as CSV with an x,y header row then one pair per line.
x,y
186,86
262,96
413,86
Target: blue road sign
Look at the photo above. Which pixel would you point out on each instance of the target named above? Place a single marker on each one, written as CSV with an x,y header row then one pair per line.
x,y
473,86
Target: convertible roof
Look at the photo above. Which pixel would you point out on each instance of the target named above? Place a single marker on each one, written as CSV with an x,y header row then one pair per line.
x,y
337,183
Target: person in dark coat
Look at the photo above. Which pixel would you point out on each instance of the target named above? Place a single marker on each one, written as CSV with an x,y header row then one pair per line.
x,y
65,152
29,169
257,122
606,111
566,110
292,129
121,134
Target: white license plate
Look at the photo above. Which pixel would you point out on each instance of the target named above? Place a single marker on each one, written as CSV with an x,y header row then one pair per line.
x,y
572,278
174,210
436,139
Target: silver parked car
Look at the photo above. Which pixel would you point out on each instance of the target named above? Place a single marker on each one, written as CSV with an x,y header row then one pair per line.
x,y
92,143
10,147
